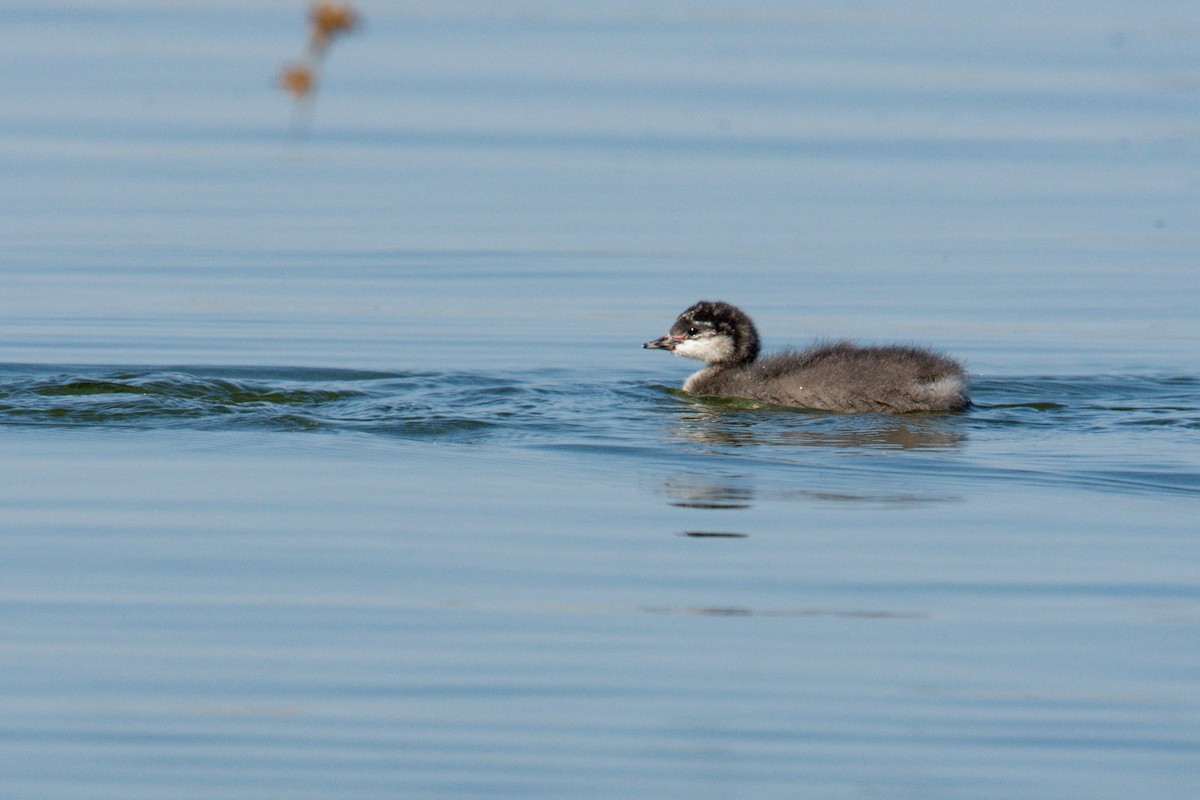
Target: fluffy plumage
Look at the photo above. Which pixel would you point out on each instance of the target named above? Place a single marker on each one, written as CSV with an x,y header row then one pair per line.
x,y
837,376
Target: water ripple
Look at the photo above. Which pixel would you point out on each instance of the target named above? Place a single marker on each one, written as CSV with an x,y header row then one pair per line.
x,y
411,404
1039,429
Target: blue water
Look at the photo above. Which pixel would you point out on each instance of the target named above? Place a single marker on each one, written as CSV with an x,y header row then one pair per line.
x,y
331,466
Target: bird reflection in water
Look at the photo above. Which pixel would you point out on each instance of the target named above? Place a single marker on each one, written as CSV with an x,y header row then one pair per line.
x,y
851,462
744,423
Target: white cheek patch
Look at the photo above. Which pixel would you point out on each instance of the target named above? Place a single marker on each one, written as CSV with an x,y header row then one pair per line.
x,y
707,348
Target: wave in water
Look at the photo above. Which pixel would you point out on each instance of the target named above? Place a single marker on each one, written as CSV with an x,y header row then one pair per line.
x,y
445,402
413,404
1124,433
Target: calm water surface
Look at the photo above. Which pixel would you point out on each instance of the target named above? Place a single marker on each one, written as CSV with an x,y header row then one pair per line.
x,y
332,466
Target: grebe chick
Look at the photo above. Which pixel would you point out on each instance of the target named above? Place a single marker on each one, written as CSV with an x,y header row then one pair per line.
x,y
839,376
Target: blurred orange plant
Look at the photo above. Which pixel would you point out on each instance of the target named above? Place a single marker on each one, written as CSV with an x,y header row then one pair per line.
x,y
297,80
327,20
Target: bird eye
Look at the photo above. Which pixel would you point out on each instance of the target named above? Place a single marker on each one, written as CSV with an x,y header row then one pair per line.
x,y
693,331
